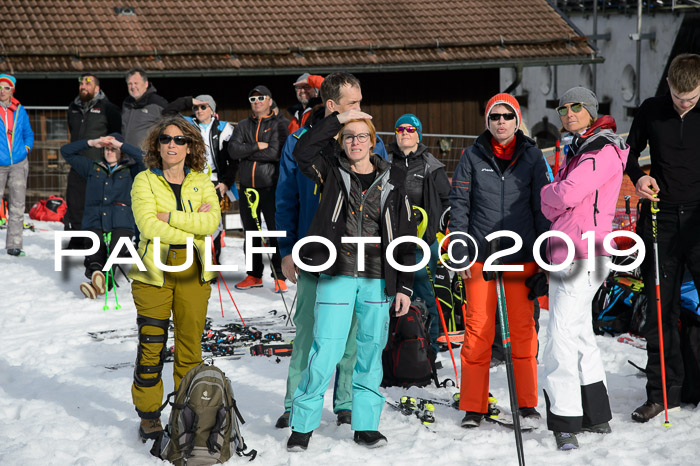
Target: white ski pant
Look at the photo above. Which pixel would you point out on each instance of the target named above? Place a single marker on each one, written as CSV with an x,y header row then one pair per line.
x,y
572,359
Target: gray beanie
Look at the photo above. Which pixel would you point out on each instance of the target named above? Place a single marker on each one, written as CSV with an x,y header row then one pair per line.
x,y
582,95
208,99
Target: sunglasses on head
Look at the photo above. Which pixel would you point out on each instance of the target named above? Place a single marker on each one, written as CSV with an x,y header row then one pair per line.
x,y
85,80
258,98
164,139
200,107
407,129
563,110
497,116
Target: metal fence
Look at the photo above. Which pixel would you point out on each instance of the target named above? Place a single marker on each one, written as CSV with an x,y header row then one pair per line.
x,y
47,169
445,147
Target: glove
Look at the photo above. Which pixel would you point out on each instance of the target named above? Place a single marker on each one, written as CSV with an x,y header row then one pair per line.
x,y
538,286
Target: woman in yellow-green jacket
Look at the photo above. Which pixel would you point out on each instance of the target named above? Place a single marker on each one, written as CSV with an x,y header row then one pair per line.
x,y
173,201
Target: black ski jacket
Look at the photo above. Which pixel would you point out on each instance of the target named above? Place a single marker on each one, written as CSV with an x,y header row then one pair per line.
x,y
258,168
485,200
427,184
345,211
90,120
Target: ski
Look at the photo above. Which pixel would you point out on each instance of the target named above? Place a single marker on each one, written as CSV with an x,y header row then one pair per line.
x,y
495,415
423,409
633,340
454,337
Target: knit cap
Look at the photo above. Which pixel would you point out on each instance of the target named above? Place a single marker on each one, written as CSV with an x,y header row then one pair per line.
x,y
507,100
581,95
8,79
410,119
208,99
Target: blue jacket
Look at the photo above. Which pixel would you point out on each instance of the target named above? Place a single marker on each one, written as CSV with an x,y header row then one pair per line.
x,y
107,191
297,197
22,136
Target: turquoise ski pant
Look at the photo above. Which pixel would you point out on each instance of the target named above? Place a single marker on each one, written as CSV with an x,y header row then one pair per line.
x,y
304,323
336,298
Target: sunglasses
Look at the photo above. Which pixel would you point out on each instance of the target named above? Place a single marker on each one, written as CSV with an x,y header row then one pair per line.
x,y
406,129
497,116
200,107
563,110
6,88
164,139
257,98
85,80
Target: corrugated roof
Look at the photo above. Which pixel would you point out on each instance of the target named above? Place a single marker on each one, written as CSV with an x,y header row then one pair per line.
x,y
246,36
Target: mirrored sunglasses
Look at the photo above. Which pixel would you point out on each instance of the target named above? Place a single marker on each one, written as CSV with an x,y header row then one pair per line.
x,y
6,88
258,98
563,110
86,80
164,139
497,116
408,129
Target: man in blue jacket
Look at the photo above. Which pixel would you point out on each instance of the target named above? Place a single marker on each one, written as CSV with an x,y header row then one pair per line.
x,y
16,142
297,198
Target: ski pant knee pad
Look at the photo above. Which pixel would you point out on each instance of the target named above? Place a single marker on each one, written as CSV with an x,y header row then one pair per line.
x,y
141,369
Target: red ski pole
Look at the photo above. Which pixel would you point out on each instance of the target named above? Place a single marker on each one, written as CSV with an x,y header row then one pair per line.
x,y
654,231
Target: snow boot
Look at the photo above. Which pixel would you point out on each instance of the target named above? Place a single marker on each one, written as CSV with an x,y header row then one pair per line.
x,y
566,441
150,429
280,286
530,417
650,410
472,419
16,252
344,417
283,420
88,290
602,428
298,441
99,282
370,438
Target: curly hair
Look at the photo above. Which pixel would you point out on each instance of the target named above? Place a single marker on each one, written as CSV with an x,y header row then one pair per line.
x,y
195,159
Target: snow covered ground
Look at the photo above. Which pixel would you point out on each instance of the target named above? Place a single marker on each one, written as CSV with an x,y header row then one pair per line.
x,y
60,405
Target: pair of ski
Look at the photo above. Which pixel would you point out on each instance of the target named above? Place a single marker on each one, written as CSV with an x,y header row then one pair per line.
x,y
424,410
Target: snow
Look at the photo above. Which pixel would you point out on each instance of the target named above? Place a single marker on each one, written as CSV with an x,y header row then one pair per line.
x,y
61,406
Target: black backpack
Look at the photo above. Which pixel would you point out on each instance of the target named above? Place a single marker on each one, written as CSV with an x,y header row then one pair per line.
x,y
618,307
409,359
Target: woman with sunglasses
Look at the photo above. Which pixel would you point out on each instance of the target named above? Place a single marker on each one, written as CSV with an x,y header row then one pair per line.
x,y
362,196
428,187
582,198
496,186
172,200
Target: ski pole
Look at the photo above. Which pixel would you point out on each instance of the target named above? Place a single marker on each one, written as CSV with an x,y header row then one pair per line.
x,y
654,232
253,205
505,336
218,285
289,317
107,237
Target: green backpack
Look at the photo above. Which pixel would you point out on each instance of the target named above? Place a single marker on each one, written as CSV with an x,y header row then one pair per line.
x,y
203,428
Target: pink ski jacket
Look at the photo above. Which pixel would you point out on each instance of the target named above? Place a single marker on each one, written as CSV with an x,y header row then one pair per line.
x,y
583,195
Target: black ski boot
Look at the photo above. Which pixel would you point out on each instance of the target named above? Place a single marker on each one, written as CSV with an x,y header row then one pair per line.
x,y
370,438
344,417
283,420
298,441
472,419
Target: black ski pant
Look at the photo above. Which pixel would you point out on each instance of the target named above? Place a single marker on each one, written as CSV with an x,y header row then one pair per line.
x,y
678,237
75,206
98,260
266,206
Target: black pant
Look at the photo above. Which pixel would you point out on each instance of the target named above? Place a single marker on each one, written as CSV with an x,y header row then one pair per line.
x,y
679,247
98,260
266,206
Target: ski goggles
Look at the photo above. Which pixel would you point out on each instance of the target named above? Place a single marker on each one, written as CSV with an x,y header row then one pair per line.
x,y
164,139
257,98
497,116
407,129
563,110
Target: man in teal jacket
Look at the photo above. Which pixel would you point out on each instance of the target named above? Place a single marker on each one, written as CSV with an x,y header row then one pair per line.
x,y
16,142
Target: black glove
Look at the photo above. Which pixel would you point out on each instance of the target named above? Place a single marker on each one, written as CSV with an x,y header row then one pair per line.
x,y
538,285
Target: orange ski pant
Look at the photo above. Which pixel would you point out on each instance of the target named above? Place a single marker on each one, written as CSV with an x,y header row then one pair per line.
x,y
479,332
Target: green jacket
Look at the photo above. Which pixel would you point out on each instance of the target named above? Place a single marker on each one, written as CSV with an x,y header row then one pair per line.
x,y
151,194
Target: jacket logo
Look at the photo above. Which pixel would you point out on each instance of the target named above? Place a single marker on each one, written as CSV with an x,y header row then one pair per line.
x,y
205,396
487,169
196,189
144,110
268,129
95,110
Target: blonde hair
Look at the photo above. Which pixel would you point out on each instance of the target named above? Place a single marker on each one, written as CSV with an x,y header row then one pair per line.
x,y
370,125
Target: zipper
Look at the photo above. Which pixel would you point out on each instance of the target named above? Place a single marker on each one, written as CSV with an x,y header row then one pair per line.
x,y
253,174
595,209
